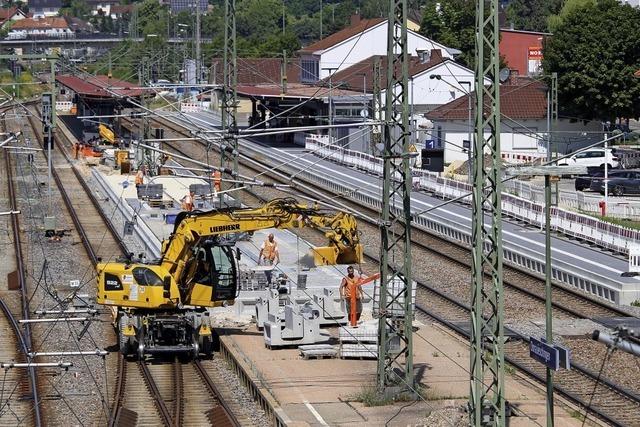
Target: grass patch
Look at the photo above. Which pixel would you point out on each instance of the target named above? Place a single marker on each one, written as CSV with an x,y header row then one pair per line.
x,y
431,397
577,415
370,397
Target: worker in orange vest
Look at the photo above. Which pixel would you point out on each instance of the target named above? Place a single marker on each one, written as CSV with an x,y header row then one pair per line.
x,y
187,202
217,180
351,292
140,176
269,251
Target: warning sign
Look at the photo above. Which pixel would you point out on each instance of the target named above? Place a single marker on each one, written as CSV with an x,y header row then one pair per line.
x,y
413,149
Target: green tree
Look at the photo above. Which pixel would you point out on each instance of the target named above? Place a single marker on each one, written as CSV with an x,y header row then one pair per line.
x,y
75,8
258,19
568,8
532,15
452,23
595,52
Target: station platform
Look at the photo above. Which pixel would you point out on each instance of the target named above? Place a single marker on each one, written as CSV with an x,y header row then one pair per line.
x,y
333,391
321,392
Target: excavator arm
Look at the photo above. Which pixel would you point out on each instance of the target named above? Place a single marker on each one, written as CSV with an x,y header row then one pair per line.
x,y
192,227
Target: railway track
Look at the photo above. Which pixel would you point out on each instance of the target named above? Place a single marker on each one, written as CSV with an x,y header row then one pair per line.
x,y
135,388
572,302
612,403
183,394
82,206
19,394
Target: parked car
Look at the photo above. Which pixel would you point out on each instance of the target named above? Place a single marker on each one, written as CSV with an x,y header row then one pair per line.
x,y
583,182
620,183
591,157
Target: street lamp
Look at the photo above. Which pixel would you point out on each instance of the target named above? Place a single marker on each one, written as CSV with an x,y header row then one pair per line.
x,y
547,171
469,119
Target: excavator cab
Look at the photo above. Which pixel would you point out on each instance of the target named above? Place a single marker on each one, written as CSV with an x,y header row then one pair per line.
x,y
211,275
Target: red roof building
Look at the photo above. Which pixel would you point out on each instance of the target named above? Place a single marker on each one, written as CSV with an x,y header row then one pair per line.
x,y
526,100
99,87
257,71
522,50
358,75
357,26
11,14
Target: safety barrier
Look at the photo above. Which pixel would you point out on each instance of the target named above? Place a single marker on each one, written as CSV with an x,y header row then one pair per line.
x,y
579,201
519,157
190,107
583,227
64,106
604,234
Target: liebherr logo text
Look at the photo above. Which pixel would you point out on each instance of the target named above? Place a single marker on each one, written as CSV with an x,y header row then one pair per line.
x,y
221,228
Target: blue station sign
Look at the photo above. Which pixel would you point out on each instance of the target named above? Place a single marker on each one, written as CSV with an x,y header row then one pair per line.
x,y
544,353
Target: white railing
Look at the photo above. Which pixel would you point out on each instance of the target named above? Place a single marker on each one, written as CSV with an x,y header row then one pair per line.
x,y
575,200
64,106
190,107
604,234
578,275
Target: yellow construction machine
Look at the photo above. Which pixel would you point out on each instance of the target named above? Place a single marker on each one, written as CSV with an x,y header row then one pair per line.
x,y
106,134
162,306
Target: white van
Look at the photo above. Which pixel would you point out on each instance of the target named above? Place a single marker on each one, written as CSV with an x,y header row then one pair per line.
x,y
591,157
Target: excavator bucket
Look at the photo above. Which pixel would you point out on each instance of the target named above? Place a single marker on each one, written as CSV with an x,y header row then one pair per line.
x,y
330,255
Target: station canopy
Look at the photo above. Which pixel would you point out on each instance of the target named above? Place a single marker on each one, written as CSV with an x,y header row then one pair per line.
x,y
99,87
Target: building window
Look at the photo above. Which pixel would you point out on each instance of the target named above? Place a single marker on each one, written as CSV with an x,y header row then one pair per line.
x,y
310,70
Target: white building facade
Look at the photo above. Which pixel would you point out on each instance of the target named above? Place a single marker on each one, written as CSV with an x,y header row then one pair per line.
x,y
352,45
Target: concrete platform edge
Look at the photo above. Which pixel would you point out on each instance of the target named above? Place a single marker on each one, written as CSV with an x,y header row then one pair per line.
x,y
247,376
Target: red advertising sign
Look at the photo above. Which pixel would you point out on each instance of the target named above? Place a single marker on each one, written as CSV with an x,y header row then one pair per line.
x,y
535,53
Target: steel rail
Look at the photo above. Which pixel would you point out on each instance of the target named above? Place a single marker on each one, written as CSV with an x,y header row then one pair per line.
x,y
179,391
155,393
213,389
86,242
116,407
24,339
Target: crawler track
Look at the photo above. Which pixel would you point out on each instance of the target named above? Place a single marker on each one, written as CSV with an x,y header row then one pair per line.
x,y
612,403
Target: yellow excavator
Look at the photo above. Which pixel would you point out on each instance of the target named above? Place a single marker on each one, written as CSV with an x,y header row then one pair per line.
x,y
161,306
106,134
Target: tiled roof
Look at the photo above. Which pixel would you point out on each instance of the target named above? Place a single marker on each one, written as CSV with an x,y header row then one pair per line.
x,y
96,86
8,13
342,35
40,24
352,77
525,99
296,90
254,71
117,9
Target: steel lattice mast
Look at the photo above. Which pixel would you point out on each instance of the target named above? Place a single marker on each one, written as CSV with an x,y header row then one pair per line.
x,y
395,363
487,400
229,148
